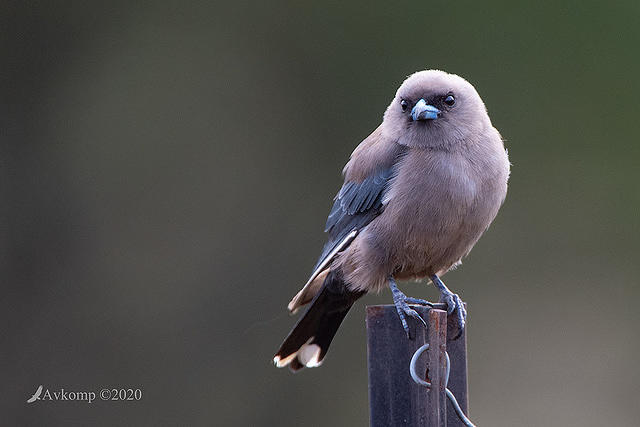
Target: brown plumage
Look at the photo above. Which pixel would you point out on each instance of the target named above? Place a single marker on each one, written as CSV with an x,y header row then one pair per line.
x,y
418,194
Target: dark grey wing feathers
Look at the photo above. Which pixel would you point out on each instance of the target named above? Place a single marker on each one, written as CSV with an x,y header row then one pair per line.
x,y
355,206
358,197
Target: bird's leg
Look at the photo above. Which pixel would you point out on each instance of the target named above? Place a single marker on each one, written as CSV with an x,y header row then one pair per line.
x,y
401,301
453,302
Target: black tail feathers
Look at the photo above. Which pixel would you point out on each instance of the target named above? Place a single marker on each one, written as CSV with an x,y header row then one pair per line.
x,y
308,342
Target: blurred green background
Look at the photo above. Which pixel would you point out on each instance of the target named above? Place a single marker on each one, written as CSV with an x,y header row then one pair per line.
x,y
167,168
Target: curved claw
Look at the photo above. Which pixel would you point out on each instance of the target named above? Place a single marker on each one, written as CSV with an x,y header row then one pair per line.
x,y
401,301
450,301
411,312
404,310
454,304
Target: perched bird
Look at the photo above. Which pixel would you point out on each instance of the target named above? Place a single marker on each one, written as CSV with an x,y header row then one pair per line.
x,y
418,193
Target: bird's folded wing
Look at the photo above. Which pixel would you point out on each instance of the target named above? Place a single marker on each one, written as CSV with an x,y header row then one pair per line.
x,y
355,206
359,201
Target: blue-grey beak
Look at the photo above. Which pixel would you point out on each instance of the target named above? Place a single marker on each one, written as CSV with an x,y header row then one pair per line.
x,y
424,111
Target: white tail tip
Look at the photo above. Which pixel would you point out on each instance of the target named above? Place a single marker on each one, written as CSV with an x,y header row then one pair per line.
x,y
309,355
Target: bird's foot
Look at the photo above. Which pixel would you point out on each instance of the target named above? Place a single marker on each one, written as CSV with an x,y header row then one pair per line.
x,y
401,301
454,303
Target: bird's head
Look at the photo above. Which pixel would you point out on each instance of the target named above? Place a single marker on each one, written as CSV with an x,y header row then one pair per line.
x,y
435,109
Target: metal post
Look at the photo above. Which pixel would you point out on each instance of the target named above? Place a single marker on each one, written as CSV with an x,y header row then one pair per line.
x,y
394,398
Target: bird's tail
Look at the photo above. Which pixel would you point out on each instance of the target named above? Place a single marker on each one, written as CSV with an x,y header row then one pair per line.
x,y
308,342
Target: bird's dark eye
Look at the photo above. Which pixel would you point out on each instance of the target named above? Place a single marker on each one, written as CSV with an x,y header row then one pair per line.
x,y
404,104
449,100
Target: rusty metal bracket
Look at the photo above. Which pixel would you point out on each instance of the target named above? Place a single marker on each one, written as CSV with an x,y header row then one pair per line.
x,y
418,380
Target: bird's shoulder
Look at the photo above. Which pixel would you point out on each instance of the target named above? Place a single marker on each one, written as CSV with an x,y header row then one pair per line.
x,y
374,154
